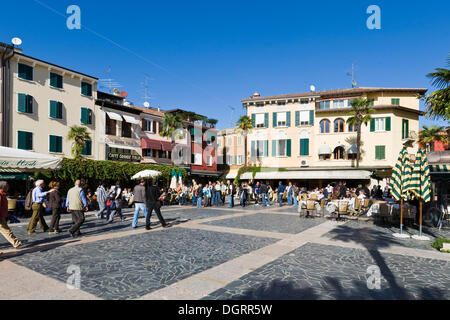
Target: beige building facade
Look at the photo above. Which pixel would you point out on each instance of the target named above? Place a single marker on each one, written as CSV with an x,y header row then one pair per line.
x,y
45,100
306,136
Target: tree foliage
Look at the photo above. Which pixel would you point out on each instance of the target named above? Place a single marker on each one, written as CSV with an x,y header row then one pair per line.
x,y
438,102
78,135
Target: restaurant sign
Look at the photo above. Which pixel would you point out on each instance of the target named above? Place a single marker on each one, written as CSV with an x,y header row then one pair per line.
x,y
124,157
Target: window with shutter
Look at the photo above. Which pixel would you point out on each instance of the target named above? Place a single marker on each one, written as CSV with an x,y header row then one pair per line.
x,y
274,119
86,116
55,144
266,120
304,147
288,118
24,140
297,118
86,89
56,81
55,109
311,117
380,152
25,72
87,149
395,101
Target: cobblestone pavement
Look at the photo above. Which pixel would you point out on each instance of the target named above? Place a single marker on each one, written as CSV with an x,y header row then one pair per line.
x,y
317,271
223,253
269,222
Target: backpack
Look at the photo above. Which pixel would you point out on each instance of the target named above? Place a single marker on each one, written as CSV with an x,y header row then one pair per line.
x,y
29,200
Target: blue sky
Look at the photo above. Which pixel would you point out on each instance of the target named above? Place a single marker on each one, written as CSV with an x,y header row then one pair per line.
x,y
206,56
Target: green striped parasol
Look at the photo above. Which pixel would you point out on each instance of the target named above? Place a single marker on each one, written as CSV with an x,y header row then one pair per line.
x,y
420,184
401,177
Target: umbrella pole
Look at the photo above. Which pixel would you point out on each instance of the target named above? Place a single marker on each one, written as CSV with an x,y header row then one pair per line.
x,y
420,217
401,216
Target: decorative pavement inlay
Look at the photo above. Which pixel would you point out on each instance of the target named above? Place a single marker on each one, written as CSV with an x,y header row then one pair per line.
x,y
271,222
132,266
316,271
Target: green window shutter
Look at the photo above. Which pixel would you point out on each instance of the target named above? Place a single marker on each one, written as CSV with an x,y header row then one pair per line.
x,y
25,72
395,101
274,148
377,152
24,140
84,115
304,147
274,119
53,109
87,149
253,150
266,120
288,147
22,102
297,118
311,117
407,129
254,120
54,80
388,124
266,148
403,129
59,114
86,89
53,144
288,118
372,125
380,152
29,104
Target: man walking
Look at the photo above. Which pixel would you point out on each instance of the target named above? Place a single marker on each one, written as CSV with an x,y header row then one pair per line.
x,y
281,189
38,196
4,228
140,199
199,195
256,193
217,194
154,203
231,191
117,203
101,199
264,190
77,204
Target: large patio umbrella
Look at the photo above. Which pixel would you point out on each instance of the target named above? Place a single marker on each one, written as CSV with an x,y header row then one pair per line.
x,y
180,178
400,182
26,160
421,185
173,181
146,174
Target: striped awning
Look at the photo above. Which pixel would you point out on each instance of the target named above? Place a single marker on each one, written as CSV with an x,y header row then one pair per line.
x,y
439,168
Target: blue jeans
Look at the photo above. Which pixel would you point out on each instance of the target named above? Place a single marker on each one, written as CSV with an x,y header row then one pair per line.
x,y
194,200
217,195
265,199
114,210
102,209
289,198
280,199
199,202
230,201
295,201
138,207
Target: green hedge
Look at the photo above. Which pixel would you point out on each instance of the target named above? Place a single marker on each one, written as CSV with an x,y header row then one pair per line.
x,y
254,170
438,243
106,170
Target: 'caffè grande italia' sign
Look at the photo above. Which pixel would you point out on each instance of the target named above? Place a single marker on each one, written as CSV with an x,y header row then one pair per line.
x,y
124,157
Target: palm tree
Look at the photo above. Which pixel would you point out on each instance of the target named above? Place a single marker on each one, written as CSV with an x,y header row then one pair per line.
x,y
245,126
438,102
169,125
78,135
431,134
359,114
212,122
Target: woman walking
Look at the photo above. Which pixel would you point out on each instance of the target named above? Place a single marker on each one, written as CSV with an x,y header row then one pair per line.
x,y
54,203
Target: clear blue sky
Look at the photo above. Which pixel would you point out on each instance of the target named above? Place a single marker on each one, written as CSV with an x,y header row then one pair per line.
x,y
208,55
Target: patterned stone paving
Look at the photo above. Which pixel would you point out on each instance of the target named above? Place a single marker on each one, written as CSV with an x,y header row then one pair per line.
x,y
316,271
129,267
370,235
269,222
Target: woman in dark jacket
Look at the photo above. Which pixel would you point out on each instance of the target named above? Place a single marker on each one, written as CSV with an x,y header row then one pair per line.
x,y
54,203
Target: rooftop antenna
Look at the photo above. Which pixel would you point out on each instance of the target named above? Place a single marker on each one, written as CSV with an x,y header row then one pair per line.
x,y
354,83
108,82
146,94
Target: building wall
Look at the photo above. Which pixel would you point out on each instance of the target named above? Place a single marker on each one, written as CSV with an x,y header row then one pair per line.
x,y
39,122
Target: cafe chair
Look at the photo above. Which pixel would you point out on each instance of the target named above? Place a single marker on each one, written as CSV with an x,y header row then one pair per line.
x,y
342,210
322,207
310,207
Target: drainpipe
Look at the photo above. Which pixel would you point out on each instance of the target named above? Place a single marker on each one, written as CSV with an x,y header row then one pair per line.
x,y
6,96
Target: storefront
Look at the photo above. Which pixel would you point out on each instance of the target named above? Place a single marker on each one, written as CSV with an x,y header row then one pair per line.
x,y
122,153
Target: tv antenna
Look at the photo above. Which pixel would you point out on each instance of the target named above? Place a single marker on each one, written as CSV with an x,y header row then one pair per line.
x,y
354,83
108,82
146,91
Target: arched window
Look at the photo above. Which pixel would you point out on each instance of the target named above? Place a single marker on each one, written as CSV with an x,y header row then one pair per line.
x,y
338,153
352,128
338,125
325,126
